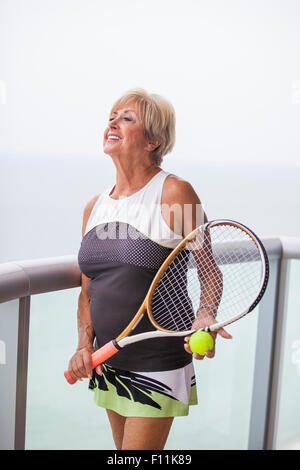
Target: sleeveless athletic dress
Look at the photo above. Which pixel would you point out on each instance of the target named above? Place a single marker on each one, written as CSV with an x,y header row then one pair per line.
x,y
124,244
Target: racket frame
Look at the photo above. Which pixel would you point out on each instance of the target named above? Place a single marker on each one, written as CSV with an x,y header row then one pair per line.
x,y
146,305
260,290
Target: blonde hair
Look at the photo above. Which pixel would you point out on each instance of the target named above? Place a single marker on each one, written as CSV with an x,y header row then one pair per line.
x,y
158,119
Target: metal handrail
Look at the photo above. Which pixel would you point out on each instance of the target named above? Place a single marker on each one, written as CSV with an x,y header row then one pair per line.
x,y
28,277
36,276
290,247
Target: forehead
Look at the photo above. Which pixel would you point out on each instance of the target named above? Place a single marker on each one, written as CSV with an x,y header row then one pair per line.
x,y
124,109
129,106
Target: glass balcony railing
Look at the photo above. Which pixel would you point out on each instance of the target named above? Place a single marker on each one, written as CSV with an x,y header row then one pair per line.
x,y
288,406
248,394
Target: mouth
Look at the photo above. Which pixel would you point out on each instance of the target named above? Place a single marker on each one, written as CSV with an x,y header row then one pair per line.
x,y
113,137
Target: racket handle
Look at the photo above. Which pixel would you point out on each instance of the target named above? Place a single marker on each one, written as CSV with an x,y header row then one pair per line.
x,y
99,356
108,350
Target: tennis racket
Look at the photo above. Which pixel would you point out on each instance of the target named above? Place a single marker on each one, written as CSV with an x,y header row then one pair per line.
x,y
217,274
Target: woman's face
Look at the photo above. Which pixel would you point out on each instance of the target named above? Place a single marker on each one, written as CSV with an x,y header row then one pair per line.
x,y
124,133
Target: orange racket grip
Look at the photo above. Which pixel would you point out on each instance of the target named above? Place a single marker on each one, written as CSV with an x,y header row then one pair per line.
x,y
99,356
108,350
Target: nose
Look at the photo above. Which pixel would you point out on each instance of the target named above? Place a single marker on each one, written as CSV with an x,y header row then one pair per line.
x,y
114,123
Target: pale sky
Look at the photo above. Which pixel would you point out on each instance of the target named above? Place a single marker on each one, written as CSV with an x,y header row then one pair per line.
x,y
230,68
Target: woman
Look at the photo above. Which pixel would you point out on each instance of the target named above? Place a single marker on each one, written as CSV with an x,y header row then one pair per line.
x,y
127,232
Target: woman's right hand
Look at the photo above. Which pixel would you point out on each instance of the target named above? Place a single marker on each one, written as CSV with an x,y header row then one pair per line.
x,y
80,365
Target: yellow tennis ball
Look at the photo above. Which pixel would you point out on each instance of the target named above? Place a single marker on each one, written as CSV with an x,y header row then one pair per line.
x,y
201,342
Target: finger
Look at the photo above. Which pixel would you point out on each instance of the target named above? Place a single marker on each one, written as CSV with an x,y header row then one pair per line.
x,y
80,367
73,370
86,358
99,370
198,357
210,354
224,334
187,348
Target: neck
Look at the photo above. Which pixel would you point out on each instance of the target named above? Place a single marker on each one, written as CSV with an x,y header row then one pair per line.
x,y
131,177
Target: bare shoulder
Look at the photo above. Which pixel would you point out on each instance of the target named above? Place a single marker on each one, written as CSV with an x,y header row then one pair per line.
x,y
181,207
87,212
177,190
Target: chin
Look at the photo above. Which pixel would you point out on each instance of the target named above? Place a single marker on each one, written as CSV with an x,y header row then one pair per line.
x,y
108,151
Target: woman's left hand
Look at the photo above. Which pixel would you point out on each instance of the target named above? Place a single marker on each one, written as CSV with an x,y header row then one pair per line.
x,y
201,323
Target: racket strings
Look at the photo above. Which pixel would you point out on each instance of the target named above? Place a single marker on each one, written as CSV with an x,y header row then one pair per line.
x,y
171,295
240,259
221,268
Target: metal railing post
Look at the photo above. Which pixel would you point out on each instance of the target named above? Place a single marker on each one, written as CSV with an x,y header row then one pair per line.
x,y
276,371
22,368
266,329
9,314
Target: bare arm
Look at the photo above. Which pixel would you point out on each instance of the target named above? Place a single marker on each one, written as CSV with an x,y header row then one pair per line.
x,y
80,362
182,210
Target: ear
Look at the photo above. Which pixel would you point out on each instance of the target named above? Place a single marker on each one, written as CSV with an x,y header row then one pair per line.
x,y
152,145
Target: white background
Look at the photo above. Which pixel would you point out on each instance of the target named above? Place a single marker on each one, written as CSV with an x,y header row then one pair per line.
x,y
231,69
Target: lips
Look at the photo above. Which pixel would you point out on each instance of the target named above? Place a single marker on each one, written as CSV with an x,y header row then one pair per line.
x,y
113,137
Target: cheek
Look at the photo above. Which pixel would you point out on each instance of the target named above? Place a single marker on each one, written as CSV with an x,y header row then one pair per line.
x,y
138,138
